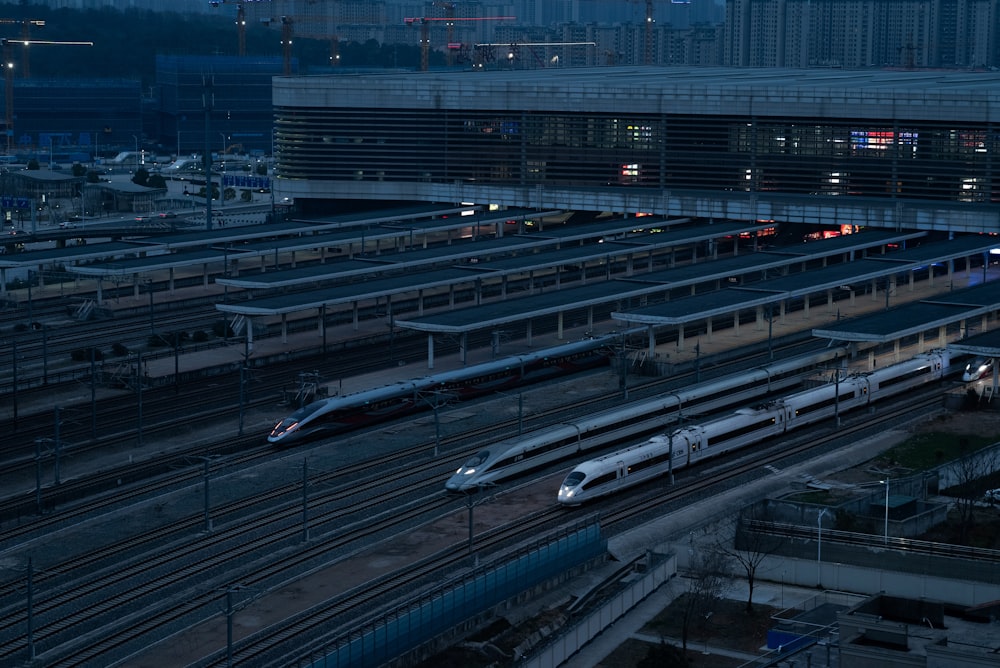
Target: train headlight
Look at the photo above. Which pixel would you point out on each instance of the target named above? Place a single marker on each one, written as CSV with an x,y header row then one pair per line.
x,y
469,471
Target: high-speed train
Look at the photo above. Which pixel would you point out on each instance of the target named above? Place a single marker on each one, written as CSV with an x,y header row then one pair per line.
x,y
517,455
636,464
977,369
350,411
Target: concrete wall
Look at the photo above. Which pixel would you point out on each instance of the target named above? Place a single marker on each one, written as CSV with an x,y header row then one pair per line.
x,y
869,580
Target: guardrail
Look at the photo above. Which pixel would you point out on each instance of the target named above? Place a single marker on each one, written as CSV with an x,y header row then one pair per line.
x,y
869,540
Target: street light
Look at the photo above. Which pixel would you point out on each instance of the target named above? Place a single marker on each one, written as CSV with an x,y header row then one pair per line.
x,y
886,483
770,329
222,161
819,546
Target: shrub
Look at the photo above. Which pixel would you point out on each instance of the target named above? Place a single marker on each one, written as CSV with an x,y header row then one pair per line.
x,y
83,355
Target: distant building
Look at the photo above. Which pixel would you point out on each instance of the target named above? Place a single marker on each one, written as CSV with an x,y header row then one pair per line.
x,y
861,33
180,6
73,120
241,115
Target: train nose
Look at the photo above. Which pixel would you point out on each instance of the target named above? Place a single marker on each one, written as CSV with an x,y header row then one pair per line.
x,y
566,494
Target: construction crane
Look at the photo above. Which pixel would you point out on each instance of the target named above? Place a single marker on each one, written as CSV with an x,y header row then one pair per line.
x,y
241,23
648,55
7,45
286,44
425,39
26,25
449,13
286,23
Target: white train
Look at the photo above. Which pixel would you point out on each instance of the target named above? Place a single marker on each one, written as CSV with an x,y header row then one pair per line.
x,y
634,465
519,454
351,411
978,369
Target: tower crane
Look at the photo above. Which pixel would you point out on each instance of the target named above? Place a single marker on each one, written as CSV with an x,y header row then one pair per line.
x,y
425,40
241,23
449,9
286,23
648,54
26,25
6,45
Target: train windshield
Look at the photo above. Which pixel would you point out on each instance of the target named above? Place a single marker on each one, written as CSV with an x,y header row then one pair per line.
x,y
477,459
574,479
305,411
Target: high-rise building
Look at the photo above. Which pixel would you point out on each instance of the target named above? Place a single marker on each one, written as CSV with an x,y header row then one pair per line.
x,y
861,33
180,6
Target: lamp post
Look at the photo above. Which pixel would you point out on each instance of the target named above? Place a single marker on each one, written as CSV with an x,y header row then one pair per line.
x,y
149,289
208,102
819,546
886,483
222,161
470,504
836,396
520,410
770,329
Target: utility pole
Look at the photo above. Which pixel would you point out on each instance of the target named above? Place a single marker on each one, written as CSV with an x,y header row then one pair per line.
x,y
208,102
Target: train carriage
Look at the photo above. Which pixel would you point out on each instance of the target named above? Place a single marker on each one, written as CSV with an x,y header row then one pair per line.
x,y
638,463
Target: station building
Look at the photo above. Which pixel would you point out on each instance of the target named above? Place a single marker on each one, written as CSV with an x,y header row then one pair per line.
x,y
866,148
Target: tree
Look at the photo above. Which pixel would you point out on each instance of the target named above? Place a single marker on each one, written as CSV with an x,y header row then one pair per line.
x,y
750,543
78,169
33,164
141,177
93,176
707,575
156,181
970,474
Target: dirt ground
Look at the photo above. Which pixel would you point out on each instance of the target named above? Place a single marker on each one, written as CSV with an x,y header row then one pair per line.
x,y
971,422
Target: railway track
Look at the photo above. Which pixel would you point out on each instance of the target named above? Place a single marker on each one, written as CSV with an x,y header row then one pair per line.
x,y
280,503
273,645
69,501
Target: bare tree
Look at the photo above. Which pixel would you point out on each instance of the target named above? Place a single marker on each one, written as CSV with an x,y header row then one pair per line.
x,y
969,475
707,574
749,543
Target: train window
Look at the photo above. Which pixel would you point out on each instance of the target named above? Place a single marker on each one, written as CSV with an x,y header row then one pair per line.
x,y
574,479
601,479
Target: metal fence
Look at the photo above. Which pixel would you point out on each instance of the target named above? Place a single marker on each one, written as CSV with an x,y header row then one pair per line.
x,y
407,626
